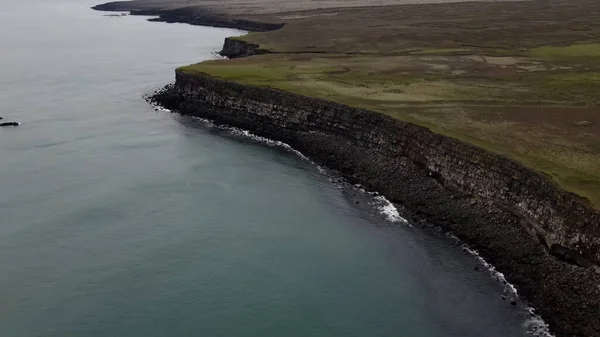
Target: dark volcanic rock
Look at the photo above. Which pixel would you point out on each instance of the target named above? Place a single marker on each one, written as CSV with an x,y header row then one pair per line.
x,y
233,48
9,124
498,207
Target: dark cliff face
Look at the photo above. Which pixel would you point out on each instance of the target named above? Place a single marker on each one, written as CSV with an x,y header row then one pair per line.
x,y
509,213
233,48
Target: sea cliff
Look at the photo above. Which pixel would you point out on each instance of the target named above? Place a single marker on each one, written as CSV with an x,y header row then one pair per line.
x,y
542,238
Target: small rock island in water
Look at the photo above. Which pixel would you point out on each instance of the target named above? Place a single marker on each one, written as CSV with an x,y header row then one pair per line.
x,y
481,118
8,123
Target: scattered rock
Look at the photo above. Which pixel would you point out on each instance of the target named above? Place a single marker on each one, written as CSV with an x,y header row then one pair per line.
x,y
476,268
503,297
513,303
9,124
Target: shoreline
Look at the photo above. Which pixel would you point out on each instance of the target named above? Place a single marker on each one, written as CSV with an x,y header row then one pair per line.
x,y
566,295
535,325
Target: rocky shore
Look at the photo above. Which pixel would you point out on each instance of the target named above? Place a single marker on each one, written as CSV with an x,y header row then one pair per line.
x,y
462,189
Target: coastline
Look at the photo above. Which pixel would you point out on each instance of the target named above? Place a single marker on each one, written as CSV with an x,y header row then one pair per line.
x,y
566,295
534,325
363,146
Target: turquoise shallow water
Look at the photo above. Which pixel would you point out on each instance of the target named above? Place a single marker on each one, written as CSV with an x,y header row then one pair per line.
x,y
118,220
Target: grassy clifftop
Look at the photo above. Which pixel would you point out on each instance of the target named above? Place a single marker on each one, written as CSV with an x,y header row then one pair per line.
x,y
520,79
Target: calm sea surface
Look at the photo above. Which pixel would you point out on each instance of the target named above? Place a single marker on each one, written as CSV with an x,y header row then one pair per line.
x,y
117,220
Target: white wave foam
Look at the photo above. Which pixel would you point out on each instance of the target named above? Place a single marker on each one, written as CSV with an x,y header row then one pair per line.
x,y
267,141
535,325
323,170
390,211
495,274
